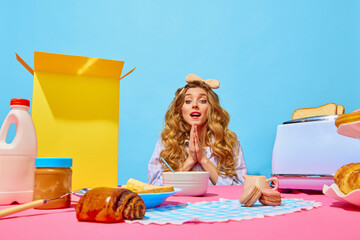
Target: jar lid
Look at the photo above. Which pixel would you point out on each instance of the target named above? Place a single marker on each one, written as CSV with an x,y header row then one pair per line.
x,y
53,162
20,101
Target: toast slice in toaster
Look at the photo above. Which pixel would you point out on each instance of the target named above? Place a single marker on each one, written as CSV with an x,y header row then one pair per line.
x,y
340,109
327,109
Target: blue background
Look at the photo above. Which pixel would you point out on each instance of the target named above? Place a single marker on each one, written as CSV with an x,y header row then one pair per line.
x,y
271,58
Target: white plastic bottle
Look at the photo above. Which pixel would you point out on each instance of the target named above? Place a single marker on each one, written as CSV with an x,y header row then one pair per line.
x,y
17,159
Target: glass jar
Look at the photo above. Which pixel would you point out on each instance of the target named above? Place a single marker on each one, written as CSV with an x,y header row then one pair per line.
x,y
52,180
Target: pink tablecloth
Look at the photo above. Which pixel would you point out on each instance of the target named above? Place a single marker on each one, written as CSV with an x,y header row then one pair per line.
x,y
333,220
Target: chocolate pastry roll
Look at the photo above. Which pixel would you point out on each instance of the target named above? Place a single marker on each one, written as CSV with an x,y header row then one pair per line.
x,y
110,205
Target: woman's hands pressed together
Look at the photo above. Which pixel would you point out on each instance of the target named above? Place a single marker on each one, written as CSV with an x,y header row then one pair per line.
x,y
197,155
195,146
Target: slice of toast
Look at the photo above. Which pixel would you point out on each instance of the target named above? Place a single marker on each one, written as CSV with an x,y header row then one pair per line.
x,y
141,187
327,109
340,109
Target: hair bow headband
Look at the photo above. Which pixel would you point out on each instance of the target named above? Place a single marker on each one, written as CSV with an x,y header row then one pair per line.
x,y
213,83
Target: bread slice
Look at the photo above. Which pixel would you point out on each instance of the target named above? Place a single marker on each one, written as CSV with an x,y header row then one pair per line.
x,y
327,109
141,187
340,109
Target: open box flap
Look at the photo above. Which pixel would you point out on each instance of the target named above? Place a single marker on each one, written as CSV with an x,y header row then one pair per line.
x,y
77,65
24,64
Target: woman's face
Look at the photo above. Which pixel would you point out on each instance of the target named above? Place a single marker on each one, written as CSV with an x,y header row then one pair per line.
x,y
195,106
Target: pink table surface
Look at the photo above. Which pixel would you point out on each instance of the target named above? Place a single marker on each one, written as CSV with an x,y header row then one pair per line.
x,y
333,220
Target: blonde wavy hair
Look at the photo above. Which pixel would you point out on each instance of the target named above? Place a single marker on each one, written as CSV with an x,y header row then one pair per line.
x,y
221,140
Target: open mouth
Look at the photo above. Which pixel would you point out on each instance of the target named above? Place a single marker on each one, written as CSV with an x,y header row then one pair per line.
x,y
195,114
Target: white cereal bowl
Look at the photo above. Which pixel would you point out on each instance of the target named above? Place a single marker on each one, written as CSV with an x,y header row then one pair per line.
x,y
191,183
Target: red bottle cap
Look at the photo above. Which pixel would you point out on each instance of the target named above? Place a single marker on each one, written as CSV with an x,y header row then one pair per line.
x,y
20,101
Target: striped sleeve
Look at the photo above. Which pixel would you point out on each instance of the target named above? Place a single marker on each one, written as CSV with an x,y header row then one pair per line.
x,y
240,170
155,167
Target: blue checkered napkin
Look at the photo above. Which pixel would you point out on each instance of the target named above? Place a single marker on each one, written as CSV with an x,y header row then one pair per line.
x,y
220,211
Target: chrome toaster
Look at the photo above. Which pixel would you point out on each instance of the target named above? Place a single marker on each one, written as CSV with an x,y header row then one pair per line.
x,y
307,152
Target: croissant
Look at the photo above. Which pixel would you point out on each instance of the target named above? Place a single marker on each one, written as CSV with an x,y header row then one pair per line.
x,y
110,205
348,177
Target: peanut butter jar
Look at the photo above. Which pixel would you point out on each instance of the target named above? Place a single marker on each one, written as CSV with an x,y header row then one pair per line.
x,y
52,180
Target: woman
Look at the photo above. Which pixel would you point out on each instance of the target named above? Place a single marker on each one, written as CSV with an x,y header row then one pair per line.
x,y
196,138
